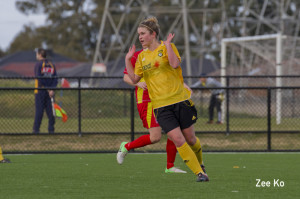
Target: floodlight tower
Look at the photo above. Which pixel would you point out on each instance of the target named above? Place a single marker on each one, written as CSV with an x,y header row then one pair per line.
x,y
188,19
199,26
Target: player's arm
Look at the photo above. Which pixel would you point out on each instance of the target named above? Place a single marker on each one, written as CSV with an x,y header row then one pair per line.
x,y
196,84
142,85
39,75
173,59
187,87
130,71
127,80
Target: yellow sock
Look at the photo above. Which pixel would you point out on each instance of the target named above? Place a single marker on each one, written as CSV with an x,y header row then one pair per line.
x,y
189,158
1,156
198,151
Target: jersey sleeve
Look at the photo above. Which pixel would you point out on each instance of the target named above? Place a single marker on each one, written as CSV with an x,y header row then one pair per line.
x,y
37,70
38,74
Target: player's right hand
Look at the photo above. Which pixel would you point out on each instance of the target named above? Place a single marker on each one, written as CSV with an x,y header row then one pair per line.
x,y
130,53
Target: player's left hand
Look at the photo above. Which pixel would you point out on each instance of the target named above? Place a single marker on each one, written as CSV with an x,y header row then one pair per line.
x,y
169,38
142,85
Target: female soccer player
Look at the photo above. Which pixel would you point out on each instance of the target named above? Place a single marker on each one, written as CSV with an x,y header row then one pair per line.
x,y
159,65
145,110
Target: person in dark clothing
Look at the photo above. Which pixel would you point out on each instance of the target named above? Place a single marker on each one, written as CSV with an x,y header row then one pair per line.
x,y
217,96
44,68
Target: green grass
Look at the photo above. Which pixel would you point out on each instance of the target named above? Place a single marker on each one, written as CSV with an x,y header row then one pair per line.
x,y
142,176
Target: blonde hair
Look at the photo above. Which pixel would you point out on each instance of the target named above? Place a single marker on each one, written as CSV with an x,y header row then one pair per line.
x,y
151,24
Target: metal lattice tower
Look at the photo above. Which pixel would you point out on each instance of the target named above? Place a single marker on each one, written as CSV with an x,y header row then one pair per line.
x,y
199,25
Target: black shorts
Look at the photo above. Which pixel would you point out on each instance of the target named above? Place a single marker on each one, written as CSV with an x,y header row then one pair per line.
x,y
182,114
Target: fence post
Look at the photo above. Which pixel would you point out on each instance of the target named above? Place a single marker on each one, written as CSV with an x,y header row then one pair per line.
x,y
227,106
125,104
269,119
79,107
132,104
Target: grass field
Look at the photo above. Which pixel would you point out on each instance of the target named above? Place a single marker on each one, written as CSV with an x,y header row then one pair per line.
x,y
142,176
111,142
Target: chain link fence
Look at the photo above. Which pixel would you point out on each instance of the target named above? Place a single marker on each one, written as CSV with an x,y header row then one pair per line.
x,y
102,113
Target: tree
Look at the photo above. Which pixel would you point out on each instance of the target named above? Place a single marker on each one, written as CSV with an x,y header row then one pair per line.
x,y
27,39
71,28
2,53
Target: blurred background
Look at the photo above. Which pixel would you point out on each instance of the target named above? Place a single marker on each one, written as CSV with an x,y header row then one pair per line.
x,y
87,32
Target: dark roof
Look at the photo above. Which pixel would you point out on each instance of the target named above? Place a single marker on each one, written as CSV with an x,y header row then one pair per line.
x,y
4,73
80,70
113,70
30,56
84,69
22,63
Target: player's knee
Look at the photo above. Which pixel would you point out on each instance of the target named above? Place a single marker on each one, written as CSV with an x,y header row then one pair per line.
x,y
179,141
155,138
191,140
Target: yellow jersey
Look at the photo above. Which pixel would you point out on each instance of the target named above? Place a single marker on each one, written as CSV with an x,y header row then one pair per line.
x,y
165,84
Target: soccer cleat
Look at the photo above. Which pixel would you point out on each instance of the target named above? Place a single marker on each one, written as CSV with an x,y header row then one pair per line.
x,y
202,177
219,122
203,168
174,170
122,153
5,160
210,122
